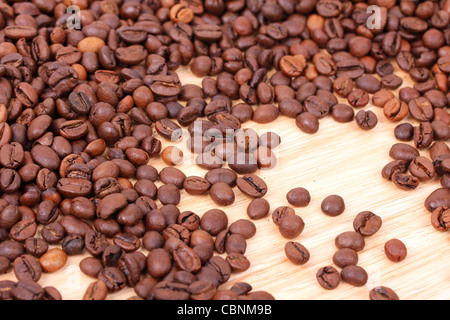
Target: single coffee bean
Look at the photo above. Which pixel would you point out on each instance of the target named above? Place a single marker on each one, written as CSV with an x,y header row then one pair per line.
x,y
296,253
383,293
358,98
366,120
307,122
36,246
53,260
351,240
440,218
395,110
293,65
328,277
258,208
291,226
113,278
97,290
405,181
214,221
342,113
367,223
27,267
238,262
345,257
165,290
354,275
403,151
404,132
298,197
252,185
395,250
333,205
422,168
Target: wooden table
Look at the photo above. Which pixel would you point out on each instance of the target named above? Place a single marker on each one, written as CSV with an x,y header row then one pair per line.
x,y
340,159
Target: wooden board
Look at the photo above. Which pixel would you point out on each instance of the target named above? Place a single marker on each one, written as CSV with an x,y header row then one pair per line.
x,y
340,159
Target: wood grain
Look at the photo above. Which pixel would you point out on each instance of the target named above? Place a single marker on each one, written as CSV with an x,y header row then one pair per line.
x,y
340,159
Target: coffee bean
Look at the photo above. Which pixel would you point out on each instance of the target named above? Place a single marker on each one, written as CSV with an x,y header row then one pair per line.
x,y
252,185
298,197
258,208
296,253
53,260
440,218
291,226
422,168
293,65
307,122
333,205
354,275
367,223
27,267
27,290
383,293
395,250
97,290
366,120
328,277
345,257
351,240
403,151
165,290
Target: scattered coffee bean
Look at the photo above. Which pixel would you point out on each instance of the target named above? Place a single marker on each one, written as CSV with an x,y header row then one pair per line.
x,y
395,250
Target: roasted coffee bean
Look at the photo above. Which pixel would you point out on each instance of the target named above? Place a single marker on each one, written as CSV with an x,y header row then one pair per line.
x,y
350,239
421,109
53,260
333,205
307,122
358,98
440,218
366,120
395,250
438,198
213,221
296,253
293,65
354,275
73,244
345,257
113,278
27,267
291,226
423,135
252,185
395,110
367,223
36,246
23,230
422,168
403,151
328,277
96,291
27,290
383,293
404,132
258,208
165,290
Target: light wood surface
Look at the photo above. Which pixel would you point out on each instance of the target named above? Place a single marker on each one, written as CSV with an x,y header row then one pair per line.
x,y
340,159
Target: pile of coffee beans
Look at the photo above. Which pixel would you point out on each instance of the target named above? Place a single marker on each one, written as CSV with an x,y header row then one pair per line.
x,y
84,85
